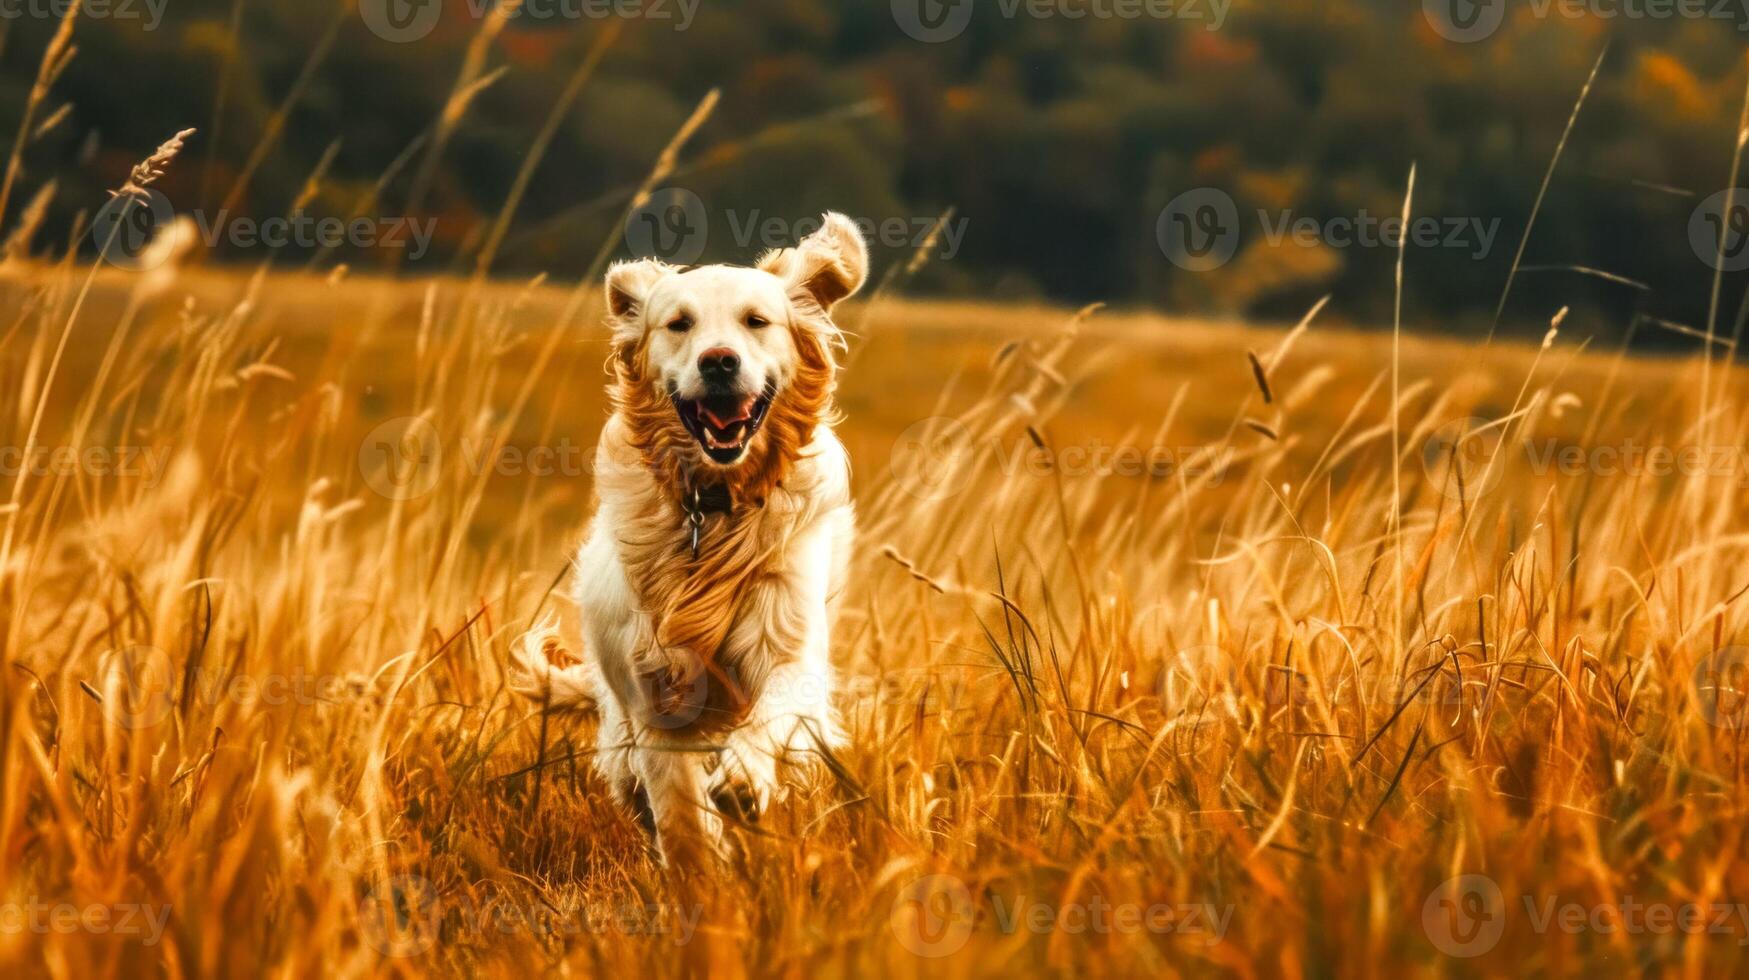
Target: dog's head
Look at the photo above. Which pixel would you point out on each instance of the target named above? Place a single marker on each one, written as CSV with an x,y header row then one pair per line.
x,y
727,366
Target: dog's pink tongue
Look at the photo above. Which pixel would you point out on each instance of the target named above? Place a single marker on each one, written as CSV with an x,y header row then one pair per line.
x,y
742,412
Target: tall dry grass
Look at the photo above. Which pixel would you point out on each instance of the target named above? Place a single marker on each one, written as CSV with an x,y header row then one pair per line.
x,y
250,689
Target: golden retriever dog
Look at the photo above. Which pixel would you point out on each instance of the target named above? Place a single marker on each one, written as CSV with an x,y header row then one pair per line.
x,y
719,543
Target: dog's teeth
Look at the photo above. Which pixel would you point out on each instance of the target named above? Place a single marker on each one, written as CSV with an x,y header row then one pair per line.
x,y
711,440
742,412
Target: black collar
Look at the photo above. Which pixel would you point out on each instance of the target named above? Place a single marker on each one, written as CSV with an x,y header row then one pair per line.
x,y
714,499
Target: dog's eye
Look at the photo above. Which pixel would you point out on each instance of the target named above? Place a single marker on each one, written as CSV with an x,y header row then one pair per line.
x,y
680,324
755,321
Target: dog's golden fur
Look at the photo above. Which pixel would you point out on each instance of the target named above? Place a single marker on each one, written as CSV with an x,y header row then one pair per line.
x,y
709,669
693,601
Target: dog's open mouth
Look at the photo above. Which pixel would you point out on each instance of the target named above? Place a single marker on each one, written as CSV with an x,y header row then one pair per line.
x,y
724,425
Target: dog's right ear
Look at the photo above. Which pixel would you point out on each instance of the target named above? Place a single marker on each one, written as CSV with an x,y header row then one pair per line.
x,y
628,286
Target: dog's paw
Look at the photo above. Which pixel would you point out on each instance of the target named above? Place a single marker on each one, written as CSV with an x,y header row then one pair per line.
x,y
741,786
734,798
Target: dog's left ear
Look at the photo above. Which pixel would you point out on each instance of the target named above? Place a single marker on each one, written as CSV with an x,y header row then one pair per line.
x,y
828,266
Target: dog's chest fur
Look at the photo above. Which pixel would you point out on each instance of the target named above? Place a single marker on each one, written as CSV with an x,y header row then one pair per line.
x,y
717,623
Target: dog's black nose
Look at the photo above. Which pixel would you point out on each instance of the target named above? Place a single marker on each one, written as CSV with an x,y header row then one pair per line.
x,y
719,364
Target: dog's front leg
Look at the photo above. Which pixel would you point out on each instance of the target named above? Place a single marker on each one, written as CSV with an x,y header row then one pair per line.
x,y
791,718
688,829
791,725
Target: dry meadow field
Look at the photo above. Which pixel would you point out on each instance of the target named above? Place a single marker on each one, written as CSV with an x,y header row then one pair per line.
x,y
1172,648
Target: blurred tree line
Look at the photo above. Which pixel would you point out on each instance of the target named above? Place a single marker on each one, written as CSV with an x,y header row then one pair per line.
x,y
1057,140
